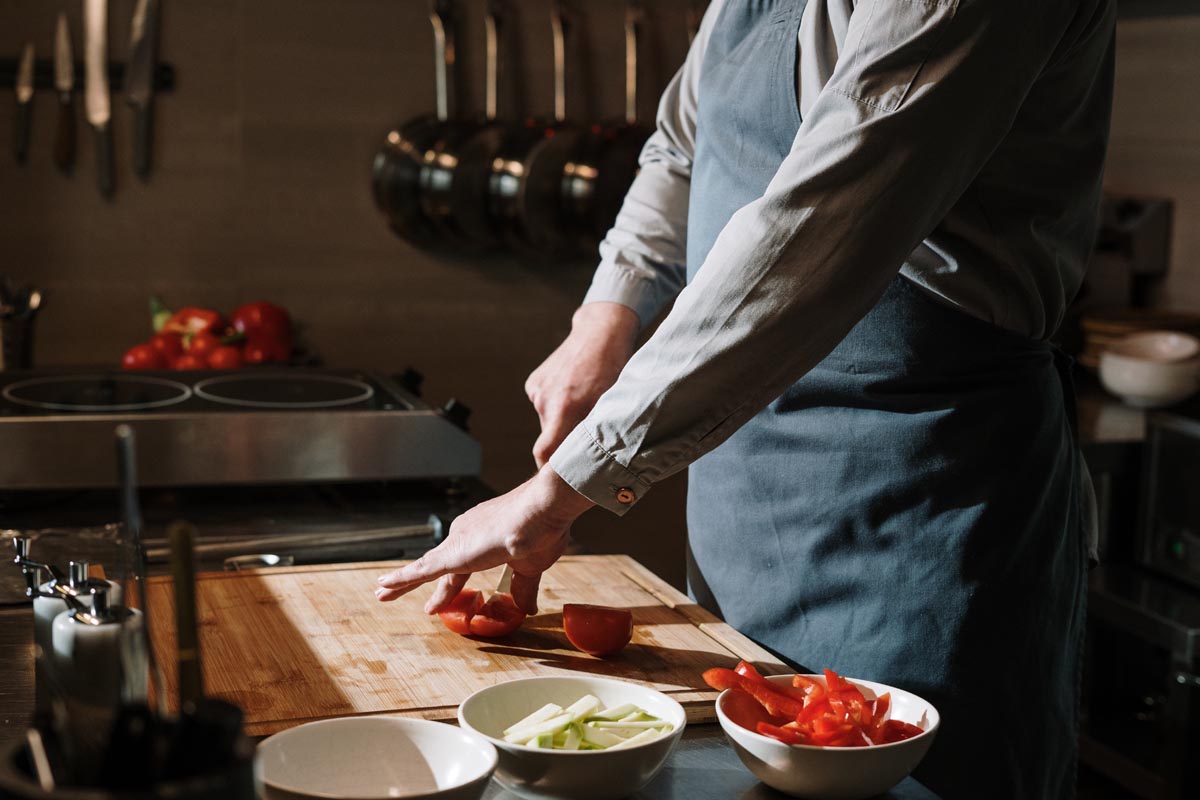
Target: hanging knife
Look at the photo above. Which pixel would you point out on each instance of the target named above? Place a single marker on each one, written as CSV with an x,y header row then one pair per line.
x,y
95,89
24,104
64,83
140,82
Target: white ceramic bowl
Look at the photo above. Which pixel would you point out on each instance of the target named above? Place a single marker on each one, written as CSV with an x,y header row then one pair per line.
x,y
1166,346
1148,382
577,775
835,773
374,758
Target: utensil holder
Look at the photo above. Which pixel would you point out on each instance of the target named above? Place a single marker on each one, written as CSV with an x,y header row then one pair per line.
x,y
233,781
16,342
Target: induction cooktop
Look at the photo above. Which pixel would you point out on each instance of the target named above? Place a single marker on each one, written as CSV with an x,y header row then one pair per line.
x,y
267,425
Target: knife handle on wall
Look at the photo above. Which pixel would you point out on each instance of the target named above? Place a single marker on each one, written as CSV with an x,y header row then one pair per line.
x,y
21,122
64,133
143,127
104,159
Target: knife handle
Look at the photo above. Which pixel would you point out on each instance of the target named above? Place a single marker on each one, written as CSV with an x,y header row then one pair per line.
x,y
64,133
143,127
21,132
182,537
104,160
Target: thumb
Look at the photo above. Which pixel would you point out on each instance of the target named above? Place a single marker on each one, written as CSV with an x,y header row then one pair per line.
x,y
548,441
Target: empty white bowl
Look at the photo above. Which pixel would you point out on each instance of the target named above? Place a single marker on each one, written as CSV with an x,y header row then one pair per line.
x,y
576,775
835,773
1146,371
374,758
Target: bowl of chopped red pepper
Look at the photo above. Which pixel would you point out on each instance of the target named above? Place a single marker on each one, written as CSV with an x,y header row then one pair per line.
x,y
822,737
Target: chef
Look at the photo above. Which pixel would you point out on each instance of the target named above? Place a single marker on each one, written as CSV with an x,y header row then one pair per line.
x,y
870,217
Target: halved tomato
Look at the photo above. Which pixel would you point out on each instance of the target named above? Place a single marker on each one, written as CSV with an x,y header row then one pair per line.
x,y
499,616
597,630
457,616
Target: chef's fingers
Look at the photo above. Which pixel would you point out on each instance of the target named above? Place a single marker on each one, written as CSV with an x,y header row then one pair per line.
x,y
525,591
449,557
387,595
446,589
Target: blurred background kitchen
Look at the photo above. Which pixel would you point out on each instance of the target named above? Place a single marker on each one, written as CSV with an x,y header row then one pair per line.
x,y
261,189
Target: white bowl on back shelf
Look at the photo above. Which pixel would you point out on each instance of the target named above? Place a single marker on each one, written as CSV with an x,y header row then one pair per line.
x,y
1152,368
374,758
573,775
835,773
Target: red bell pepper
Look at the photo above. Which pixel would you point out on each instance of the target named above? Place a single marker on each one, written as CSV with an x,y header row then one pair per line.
x,y
835,713
895,730
748,670
268,332
191,320
783,734
776,703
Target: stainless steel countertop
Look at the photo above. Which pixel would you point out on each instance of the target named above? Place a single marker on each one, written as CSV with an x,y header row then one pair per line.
x,y
702,767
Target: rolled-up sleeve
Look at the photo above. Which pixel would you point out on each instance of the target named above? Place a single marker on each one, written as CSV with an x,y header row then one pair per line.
x,y
923,93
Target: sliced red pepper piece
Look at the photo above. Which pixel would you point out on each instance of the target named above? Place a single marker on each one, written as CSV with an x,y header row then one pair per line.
x,y
834,682
863,712
776,703
814,709
836,704
812,687
748,670
895,730
785,735
882,712
741,708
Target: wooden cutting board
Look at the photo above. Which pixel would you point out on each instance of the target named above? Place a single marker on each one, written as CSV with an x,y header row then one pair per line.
x,y
295,644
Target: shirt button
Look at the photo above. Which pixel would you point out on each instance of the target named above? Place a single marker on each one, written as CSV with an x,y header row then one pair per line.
x,y
625,496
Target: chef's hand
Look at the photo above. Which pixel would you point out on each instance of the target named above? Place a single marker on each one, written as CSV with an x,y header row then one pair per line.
x,y
568,383
526,529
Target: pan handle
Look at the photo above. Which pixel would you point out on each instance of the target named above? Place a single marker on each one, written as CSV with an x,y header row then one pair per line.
x,y
441,16
634,14
491,22
558,27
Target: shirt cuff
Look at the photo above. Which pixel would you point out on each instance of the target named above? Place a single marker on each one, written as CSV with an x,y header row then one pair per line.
x,y
614,284
596,474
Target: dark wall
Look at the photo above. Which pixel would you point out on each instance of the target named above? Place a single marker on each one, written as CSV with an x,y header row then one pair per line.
x,y
261,190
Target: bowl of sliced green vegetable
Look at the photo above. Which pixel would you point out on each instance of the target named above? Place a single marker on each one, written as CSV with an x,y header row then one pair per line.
x,y
580,738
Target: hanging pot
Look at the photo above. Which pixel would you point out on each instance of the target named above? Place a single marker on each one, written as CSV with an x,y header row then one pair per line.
x,y
524,186
400,165
594,183
455,182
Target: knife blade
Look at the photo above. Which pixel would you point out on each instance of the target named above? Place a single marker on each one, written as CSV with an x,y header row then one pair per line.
x,y
140,82
97,104
24,104
64,84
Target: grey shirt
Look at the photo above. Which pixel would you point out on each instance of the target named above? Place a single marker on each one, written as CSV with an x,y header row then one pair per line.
x,y
958,142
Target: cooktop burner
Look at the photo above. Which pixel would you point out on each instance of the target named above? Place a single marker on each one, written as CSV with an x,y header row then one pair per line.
x,y
248,390
96,393
288,390
263,425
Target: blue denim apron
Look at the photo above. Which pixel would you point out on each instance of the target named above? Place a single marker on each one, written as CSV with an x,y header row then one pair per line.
x,y
907,512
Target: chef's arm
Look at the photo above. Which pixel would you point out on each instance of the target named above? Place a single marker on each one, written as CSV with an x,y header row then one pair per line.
x,y
923,93
641,269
